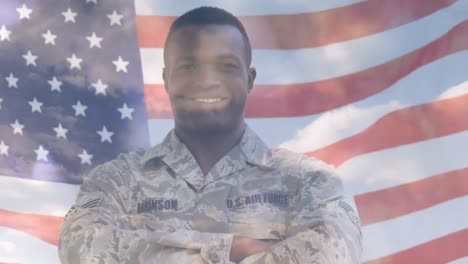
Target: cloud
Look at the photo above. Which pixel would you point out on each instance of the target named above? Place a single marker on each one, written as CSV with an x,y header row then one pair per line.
x,y
455,91
338,124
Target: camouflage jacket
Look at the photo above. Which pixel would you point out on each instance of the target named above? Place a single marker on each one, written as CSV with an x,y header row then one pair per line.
x,y
156,206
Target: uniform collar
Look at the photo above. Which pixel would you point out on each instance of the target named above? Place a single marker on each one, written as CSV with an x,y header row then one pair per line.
x,y
251,150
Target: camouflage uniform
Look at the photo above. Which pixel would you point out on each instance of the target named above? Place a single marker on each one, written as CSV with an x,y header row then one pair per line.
x,y
156,206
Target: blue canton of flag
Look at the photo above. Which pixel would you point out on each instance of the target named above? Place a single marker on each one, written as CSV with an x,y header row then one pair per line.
x,y
71,87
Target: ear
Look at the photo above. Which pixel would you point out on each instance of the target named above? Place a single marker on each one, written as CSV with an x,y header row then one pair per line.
x,y
164,76
252,74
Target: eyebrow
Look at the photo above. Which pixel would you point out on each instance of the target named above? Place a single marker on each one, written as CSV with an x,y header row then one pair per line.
x,y
219,57
229,56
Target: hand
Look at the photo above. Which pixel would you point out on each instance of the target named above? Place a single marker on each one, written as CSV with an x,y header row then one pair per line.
x,y
243,247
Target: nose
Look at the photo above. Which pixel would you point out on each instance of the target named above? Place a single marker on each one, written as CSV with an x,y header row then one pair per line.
x,y
207,77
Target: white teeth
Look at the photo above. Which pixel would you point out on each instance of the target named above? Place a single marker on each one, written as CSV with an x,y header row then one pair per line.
x,y
208,100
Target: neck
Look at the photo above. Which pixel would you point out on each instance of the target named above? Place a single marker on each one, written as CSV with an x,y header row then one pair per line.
x,y
209,148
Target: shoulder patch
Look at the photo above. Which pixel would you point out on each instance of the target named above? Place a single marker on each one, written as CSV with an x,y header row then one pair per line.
x,y
93,203
352,215
345,206
77,208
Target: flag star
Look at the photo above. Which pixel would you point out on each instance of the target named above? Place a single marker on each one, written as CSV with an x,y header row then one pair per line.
x,y
4,33
3,148
55,84
12,80
49,38
30,59
35,105
100,87
79,109
126,112
85,157
61,132
17,127
120,64
41,153
105,134
94,41
115,18
74,62
69,16
24,12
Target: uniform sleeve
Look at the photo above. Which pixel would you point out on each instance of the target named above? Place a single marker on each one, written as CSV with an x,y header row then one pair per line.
x,y
98,230
211,247
323,227
95,230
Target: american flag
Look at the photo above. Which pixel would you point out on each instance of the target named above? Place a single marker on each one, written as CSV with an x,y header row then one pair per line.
x,y
377,88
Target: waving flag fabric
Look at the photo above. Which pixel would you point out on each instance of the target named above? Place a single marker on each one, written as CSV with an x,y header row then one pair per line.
x,y
377,88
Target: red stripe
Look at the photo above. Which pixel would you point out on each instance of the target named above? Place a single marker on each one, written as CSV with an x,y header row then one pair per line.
x,y
406,198
44,227
309,29
316,97
440,250
405,126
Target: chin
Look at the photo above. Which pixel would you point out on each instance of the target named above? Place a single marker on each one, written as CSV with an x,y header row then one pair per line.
x,y
206,124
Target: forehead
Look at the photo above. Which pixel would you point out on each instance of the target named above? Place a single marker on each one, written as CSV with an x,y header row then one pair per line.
x,y
206,39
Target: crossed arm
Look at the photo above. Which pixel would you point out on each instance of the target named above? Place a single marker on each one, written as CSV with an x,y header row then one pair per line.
x,y
319,230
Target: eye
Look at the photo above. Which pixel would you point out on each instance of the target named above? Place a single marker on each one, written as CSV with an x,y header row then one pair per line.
x,y
229,66
186,66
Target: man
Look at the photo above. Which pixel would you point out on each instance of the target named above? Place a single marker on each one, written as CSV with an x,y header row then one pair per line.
x,y
211,192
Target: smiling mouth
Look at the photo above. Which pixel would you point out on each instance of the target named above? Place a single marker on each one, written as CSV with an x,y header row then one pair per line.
x,y
208,100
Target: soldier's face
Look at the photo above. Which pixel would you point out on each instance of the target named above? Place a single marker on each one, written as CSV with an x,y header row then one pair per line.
x,y
207,77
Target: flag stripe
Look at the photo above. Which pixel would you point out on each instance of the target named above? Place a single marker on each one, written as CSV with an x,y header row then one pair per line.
x,y
239,7
403,199
415,229
442,250
404,164
44,227
460,261
445,117
283,67
52,198
19,247
296,31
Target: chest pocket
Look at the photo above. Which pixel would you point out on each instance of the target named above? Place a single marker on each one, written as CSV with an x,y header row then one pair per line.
x,y
260,215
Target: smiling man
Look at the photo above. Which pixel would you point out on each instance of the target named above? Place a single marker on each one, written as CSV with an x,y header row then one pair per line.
x,y
212,191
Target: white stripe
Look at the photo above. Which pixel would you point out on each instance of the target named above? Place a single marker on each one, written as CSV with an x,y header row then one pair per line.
x,y
36,197
314,64
460,261
18,247
302,134
404,164
238,7
443,79
389,237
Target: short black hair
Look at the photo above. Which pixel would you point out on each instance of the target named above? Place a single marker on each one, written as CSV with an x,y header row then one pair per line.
x,y
207,15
